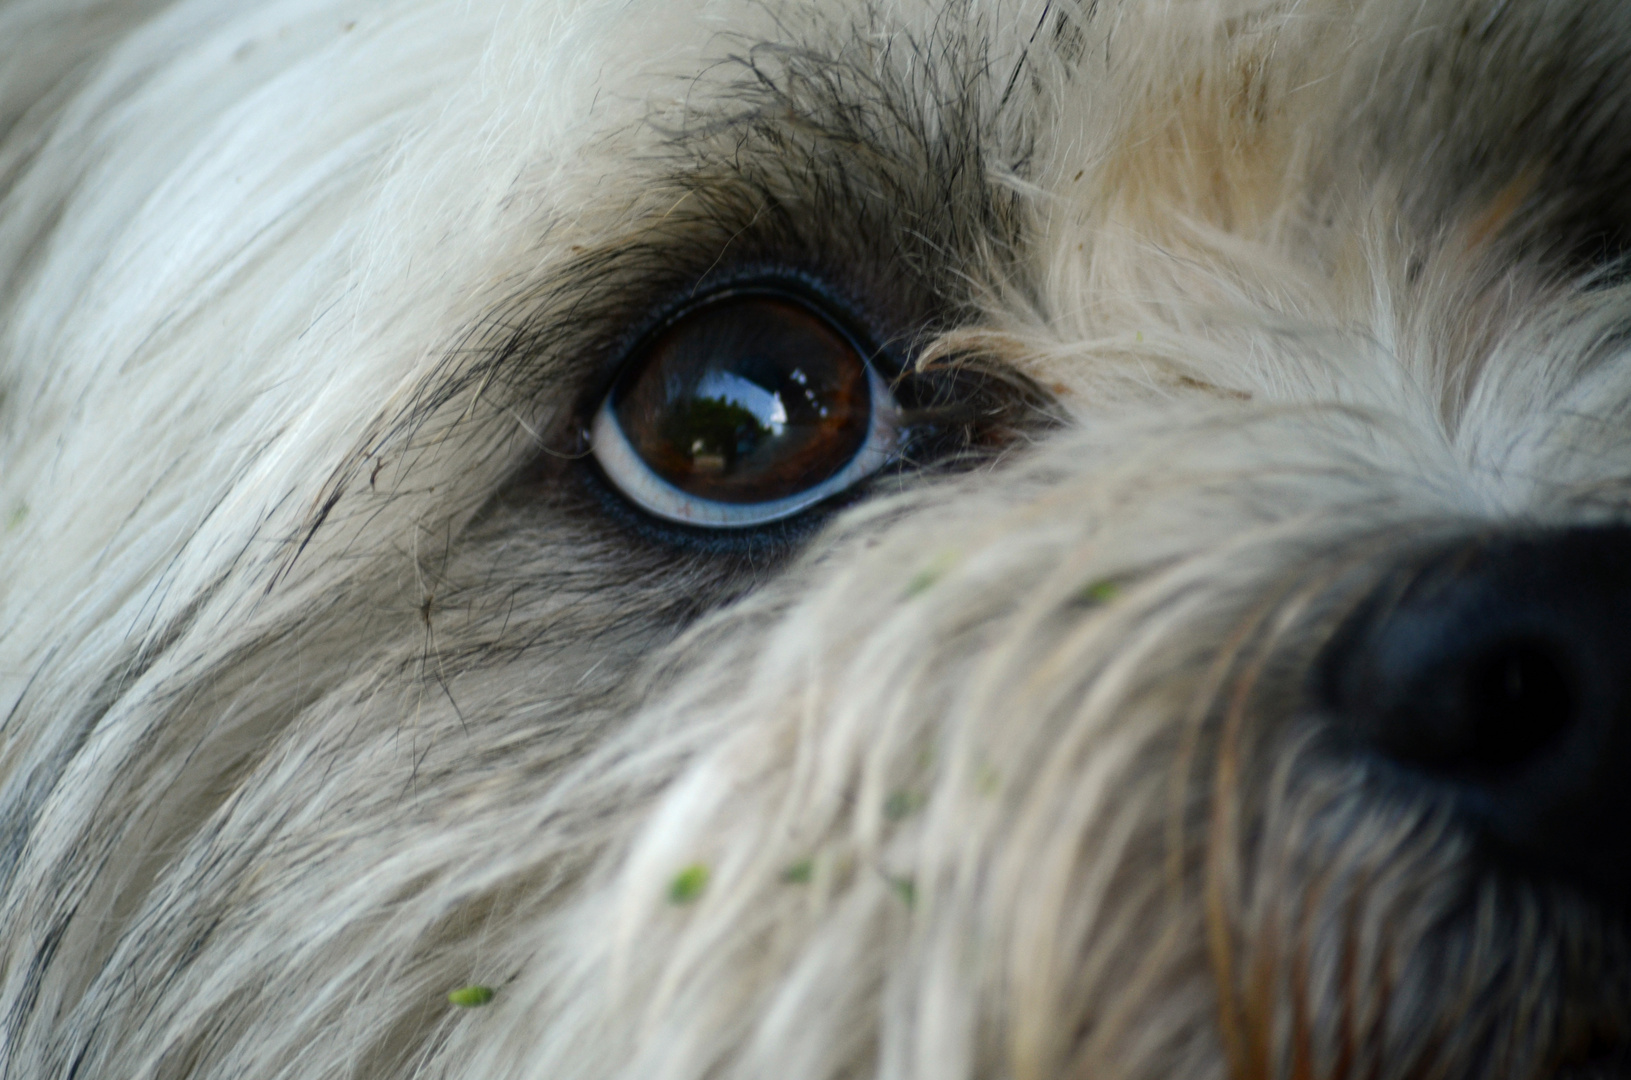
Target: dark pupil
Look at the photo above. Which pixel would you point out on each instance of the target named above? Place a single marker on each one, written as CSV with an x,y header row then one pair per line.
x,y
747,400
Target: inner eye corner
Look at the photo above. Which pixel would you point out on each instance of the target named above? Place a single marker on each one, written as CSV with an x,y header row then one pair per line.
x,y
966,405
745,406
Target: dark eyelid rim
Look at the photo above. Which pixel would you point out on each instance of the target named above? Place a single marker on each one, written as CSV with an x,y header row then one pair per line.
x,y
779,282
756,544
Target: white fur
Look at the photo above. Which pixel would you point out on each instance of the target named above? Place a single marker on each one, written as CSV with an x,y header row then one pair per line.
x,y
310,719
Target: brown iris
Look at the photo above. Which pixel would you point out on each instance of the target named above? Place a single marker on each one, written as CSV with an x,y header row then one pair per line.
x,y
748,399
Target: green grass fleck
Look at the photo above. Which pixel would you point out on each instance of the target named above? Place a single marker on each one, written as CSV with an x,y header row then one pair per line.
x,y
906,889
901,804
922,581
1099,592
688,884
800,873
19,514
471,997
988,781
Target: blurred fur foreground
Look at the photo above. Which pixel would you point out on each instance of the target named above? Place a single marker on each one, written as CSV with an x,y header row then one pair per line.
x,y
334,679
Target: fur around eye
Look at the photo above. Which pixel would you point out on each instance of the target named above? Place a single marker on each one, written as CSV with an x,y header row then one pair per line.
x,y
745,409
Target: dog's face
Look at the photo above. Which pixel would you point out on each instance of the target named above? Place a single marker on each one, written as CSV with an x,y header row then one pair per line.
x,y
815,540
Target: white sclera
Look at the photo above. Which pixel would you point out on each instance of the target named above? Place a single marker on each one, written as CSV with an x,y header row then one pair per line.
x,y
657,497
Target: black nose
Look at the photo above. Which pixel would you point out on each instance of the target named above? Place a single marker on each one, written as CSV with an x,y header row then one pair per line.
x,y
1497,674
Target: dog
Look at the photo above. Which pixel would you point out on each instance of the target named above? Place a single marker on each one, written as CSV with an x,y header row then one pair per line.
x,y
1012,539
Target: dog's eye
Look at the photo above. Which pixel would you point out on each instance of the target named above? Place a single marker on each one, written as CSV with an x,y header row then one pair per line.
x,y
745,409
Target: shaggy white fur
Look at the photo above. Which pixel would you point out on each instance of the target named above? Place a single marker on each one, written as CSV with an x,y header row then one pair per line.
x,y
332,683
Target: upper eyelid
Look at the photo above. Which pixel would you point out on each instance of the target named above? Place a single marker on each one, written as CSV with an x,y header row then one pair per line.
x,y
873,334
565,339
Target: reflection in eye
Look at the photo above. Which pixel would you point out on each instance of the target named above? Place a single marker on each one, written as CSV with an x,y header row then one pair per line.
x,y
744,410
726,418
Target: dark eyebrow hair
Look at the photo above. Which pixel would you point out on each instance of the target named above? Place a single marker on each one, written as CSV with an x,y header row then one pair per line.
x,y
837,155
860,155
